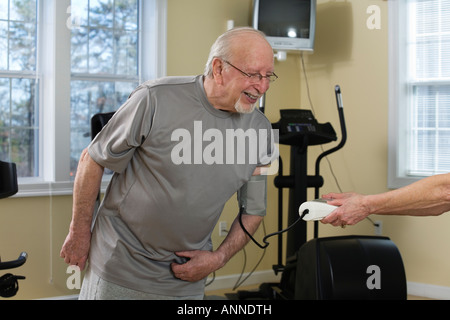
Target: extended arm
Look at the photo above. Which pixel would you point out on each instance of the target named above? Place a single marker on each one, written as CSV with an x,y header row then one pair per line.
x,y
75,249
427,197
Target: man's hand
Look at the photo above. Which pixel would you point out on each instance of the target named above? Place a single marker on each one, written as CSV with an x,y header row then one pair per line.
x,y
200,265
75,250
203,263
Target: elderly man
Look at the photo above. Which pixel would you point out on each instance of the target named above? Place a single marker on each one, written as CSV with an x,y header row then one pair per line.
x,y
151,237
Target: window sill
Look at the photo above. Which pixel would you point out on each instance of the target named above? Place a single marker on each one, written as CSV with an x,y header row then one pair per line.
x,y
29,189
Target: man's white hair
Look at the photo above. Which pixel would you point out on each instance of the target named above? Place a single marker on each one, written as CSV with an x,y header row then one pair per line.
x,y
222,48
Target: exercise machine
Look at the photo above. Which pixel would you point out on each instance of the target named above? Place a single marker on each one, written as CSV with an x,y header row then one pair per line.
x,y
324,268
299,129
9,284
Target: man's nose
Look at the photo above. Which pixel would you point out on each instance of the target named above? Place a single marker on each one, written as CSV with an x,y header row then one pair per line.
x,y
263,85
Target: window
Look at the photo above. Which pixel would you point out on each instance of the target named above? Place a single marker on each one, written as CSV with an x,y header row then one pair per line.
x,y
104,63
62,61
19,122
420,104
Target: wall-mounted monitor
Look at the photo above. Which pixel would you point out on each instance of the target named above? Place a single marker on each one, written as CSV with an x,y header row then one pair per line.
x,y
288,24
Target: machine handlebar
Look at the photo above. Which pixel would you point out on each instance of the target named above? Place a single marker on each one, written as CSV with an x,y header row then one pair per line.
x,y
15,263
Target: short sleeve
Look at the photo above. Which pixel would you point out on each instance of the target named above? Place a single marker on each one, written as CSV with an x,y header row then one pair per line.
x,y
114,146
253,196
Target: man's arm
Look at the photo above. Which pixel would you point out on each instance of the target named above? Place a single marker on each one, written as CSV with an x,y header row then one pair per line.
x,y
203,263
75,249
427,197
236,238
252,196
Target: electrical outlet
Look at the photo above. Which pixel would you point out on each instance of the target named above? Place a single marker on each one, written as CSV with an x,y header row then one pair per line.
x,y
223,229
378,227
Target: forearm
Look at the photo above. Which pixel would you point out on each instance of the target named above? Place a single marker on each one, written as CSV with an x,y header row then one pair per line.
x,y
86,188
236,238
75,249
429,196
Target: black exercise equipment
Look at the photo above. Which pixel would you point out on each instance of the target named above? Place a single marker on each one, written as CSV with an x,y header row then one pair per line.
x,y
351,267
324,268
9,284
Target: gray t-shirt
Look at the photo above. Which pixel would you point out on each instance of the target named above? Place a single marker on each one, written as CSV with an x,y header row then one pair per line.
x,y
174,172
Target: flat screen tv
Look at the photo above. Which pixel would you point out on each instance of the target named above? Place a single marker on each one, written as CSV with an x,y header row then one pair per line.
x,y
288,24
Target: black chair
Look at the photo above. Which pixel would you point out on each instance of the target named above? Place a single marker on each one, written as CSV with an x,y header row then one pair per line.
x,y
98,121
8,187
8,179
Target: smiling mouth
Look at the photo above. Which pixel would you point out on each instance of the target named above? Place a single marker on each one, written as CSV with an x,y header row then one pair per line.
x,y
251,96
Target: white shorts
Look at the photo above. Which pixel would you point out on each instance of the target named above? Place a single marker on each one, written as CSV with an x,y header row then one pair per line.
x,y
96,288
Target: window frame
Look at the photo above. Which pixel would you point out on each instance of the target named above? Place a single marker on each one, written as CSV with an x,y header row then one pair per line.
x,y
54,74
397,47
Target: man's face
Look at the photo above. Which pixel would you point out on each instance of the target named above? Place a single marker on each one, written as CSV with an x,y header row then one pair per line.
x,y
248,101
255,59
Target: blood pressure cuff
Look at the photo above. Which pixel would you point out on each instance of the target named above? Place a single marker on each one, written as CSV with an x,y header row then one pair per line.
x,y
253,196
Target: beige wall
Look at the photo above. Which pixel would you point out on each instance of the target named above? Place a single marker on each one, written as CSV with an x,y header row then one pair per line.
x,y
37,226
347,53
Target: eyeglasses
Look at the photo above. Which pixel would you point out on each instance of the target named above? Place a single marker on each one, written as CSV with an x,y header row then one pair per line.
x,y
255,77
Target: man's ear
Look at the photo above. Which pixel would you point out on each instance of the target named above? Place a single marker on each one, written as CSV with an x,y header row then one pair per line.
x,y
217,67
